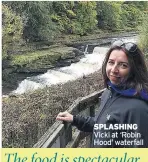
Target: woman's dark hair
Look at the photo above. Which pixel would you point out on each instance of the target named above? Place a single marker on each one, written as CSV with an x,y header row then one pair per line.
x,y
138,77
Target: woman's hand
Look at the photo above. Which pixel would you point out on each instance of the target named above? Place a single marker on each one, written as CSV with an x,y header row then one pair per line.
x,y
65,116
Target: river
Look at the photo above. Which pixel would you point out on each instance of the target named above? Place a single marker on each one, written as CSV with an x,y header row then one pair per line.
x,y
90,63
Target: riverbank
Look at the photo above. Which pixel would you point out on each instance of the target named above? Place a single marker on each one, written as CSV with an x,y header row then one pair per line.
x,y
27,117
37,62
44,56
90,38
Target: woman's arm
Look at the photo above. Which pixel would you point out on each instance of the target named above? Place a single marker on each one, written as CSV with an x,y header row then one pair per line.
x,y
85,124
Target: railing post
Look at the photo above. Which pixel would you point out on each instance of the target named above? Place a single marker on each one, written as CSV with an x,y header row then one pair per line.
x,y
62,139
92,110
67,133
92,114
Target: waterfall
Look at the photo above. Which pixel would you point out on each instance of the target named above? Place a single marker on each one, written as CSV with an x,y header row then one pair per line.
x,y
89,64
85,51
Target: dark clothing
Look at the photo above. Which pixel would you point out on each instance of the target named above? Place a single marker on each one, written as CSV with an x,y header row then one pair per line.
x,y
116,109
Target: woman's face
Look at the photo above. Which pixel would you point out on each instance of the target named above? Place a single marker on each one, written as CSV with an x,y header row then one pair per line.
x,y
117,67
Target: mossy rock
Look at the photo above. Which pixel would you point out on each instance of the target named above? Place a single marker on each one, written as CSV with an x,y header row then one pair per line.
x,y
41,61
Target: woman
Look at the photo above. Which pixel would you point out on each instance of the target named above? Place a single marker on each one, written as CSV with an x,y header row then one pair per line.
x,y
123,114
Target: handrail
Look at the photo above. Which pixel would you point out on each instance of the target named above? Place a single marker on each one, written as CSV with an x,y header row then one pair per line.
x,y
61,134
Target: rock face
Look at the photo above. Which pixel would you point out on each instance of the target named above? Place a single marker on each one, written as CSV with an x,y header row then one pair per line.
x,y
72,57
14,72
56,57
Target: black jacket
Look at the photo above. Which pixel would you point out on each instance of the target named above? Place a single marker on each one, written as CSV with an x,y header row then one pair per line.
x,y
116,109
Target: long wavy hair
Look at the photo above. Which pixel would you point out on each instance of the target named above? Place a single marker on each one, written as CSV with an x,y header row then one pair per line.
x,y
138,77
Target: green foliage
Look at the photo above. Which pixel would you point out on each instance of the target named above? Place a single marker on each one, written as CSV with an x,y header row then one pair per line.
x,y
86,17
12,27
37,19
39,25
143,36
109,15
63,13
119,15
45,20
131,15
75,17
141,5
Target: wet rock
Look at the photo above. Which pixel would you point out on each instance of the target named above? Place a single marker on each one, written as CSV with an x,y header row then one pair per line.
x,y
63,63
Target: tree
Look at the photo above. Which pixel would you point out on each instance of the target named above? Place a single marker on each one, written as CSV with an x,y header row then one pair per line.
x,y
37,19
108,15
85,21
143,34
63,15
131,15
75,17
12,27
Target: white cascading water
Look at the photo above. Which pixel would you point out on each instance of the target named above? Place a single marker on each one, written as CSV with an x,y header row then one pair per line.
x,y
89,64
